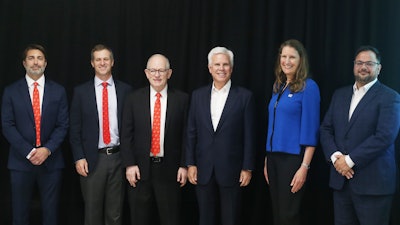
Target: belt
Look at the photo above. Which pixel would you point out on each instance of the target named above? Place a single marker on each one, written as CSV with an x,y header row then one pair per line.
x,y
109,150
156,159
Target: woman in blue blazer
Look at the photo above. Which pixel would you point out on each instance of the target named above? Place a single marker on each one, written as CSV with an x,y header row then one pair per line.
x,y
293,124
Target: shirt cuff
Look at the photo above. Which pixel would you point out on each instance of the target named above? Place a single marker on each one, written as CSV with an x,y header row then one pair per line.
x,y
333,156
30,153
349,161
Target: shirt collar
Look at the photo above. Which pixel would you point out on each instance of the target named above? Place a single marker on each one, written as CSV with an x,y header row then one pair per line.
x,y
224,89
163,92
30,81
98,81
364,88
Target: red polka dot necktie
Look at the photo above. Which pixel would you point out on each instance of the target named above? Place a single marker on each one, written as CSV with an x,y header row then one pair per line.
x,y
36,112
155,132
106,123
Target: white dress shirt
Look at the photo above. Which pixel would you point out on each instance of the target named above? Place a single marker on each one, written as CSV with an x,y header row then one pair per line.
x,y
217,103
112,111
40,88
358,94
163,101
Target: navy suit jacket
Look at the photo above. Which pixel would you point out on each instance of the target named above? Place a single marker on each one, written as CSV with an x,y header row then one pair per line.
x,y
368,138
19,125
84,125
136,132
229,149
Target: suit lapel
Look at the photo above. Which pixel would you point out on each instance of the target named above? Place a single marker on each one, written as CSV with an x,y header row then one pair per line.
x,y
47,94
230,101
24,91
206,104
145,103
91,100
120,104
371,93
346,107
171,106
368,97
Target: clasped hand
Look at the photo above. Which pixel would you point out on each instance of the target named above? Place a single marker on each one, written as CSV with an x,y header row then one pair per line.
x,y
39,155
342,168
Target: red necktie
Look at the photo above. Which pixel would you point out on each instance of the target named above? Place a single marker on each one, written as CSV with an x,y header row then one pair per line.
x,y
106,123
155,132
36,112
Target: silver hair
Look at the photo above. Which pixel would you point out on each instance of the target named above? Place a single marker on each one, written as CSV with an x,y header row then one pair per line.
x,y
220,50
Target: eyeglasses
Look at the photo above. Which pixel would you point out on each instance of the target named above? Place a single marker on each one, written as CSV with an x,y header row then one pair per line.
x,y
367,63
162,72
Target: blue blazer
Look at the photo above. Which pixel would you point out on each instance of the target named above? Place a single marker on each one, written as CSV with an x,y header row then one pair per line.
x,y
368,138
229,149
19,125
84,125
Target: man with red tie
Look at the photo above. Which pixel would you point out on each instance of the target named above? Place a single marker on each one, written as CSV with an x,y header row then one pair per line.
x,y
34,116
153,129
95,115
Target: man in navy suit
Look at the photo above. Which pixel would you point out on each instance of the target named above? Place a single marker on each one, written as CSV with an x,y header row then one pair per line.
x,y
220,145
35,155
154,161
96,111
357,136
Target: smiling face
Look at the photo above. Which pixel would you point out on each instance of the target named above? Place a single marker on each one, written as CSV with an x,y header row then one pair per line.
x,y
289,61
102,63
35,63
366,68
158,72
220,69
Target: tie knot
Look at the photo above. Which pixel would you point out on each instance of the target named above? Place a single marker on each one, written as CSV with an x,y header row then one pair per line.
x,y
105,84
35,84
158,95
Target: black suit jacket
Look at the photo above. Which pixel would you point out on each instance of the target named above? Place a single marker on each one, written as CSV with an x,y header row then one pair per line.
x,y
136,132
84,120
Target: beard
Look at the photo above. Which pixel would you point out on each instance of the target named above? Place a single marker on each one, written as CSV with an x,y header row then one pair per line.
x,y
37,72
364,79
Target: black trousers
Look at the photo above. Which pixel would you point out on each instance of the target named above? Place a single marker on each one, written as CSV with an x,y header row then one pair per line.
x,y
158,192
285,204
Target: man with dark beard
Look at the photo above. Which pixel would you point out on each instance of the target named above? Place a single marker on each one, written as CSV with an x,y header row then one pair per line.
x,y
357,136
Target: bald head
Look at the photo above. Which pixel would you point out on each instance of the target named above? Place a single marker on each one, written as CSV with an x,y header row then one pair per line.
x,y
158,71
160,59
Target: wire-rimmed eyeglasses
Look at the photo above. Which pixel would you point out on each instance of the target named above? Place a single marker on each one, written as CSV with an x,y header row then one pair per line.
x,y
369,64
162,72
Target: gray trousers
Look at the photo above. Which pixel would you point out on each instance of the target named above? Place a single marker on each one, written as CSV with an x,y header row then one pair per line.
x,y
103,191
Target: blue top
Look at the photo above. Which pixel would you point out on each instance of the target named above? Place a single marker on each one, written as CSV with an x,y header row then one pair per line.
x,y
294,123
